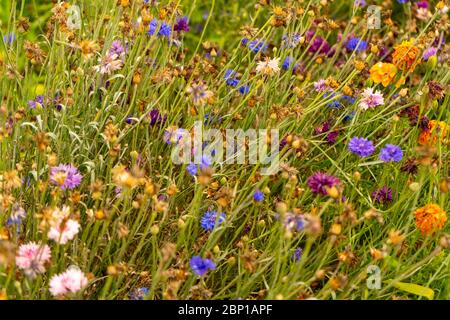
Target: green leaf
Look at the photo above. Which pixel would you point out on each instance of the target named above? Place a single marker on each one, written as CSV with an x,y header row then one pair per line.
x,y
414,289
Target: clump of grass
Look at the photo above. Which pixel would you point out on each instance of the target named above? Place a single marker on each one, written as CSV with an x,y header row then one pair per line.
x,y
90,117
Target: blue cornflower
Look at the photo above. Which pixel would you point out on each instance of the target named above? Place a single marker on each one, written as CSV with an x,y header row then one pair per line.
x,y
257,45
333,103
356,44
192,169
17,215
244,89
291,40
139,293
230,77
350,116
210,220
349,99
206,161
129,119
287,62
9,38
362,147
201,266
258,196
297,254
391,153
402,1
164,30
244,41
152,26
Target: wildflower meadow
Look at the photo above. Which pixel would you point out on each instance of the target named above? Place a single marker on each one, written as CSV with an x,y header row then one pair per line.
x,y
219,149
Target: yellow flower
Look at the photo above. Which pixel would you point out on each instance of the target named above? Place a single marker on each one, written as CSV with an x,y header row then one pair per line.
x,y
430,218
88,48
383,73
436,129
404,56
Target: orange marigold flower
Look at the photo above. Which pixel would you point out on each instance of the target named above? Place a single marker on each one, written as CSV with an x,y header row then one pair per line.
x,y
404,56
435,130
430,218
383,72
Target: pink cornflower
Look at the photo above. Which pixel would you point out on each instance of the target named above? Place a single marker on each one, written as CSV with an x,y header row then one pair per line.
x,y
70,281
108,64
320,86
31,258
370,99
319,182
64,231
65,176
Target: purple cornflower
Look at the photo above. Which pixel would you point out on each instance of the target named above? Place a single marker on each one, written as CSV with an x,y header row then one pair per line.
x,y
211,219
156,117
65,176
201,266
117,48
319,182
325,128
182,25
422,4
320,86
356,44
318,44
139,293
391,153
360,3
428,53
362,147
258,196
382,195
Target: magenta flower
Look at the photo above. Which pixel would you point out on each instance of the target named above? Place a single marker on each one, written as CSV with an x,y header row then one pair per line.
x,y
319,182
65,176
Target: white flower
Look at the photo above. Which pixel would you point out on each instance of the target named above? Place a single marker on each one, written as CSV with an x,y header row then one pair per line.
x,y
70,281
268,66
64,231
